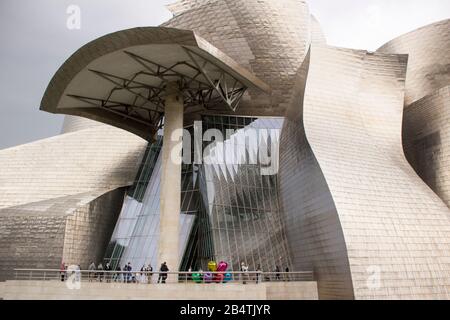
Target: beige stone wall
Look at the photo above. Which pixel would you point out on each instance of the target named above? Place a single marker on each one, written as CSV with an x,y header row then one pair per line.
x,y
58,194
88,230
99,158
73,229
55,290
291,291
28,241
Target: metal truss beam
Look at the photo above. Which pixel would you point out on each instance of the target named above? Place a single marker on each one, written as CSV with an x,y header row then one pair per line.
x,y
199,88
231,96
129,112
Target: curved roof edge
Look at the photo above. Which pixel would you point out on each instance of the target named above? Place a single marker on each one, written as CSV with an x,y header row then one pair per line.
x,y
428,26
122,40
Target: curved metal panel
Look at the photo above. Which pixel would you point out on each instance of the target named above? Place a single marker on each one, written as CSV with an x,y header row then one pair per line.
x,y
72,124
429,59
269,38
426,137
99,158
312,222
394,226
426,132
121,78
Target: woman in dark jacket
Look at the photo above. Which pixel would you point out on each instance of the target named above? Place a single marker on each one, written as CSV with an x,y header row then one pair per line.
x,y
163,273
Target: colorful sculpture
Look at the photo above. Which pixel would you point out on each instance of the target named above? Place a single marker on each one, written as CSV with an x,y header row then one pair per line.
x,y
218,278
208,277
228,277
212,266
197,277
216,274
222,267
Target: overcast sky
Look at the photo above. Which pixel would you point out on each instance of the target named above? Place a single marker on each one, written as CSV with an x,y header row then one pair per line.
x,y
35,41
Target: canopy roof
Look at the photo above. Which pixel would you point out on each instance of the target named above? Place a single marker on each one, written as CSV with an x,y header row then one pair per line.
x,y
120,79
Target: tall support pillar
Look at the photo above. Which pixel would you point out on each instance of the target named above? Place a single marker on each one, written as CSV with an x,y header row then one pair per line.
x,y
170,200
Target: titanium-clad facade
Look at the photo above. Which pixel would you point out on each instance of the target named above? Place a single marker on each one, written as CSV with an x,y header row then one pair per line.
x,y
60,197
346,220
357,195
315,235
426,139
428,59
382,224
240,28
426,132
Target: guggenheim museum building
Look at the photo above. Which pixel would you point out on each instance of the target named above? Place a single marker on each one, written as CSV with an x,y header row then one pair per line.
x,y
358,142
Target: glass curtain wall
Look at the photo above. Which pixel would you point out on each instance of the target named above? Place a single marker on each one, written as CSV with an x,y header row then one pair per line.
x,y
229,211
136,236
239,215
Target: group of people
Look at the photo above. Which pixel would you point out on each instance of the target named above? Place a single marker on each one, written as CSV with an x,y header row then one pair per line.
x,y
105,273
126,275
277,272
99,272
245,276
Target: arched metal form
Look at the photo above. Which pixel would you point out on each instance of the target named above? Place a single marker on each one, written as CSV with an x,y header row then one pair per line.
x,y
148,103
124,84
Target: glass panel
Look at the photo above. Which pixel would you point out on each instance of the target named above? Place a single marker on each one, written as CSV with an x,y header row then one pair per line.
x,y
233,211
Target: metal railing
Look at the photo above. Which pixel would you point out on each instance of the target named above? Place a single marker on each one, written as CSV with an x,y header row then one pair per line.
x,y
138,277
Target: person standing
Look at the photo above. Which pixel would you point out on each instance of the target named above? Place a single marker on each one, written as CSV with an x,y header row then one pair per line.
x,y
244,270
160,275
149,273
129,275
277,273
91,269
258,274
63,271
108,272
189,275
118,277
142,275
163,273
100,272
78,273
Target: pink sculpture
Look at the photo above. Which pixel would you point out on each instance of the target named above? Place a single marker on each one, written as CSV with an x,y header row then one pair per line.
x,y
222,267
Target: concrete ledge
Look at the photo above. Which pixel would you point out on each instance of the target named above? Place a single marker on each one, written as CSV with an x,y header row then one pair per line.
x,y
292,291
56,290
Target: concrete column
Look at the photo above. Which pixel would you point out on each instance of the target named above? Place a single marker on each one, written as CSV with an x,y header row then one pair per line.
x,y
170,200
